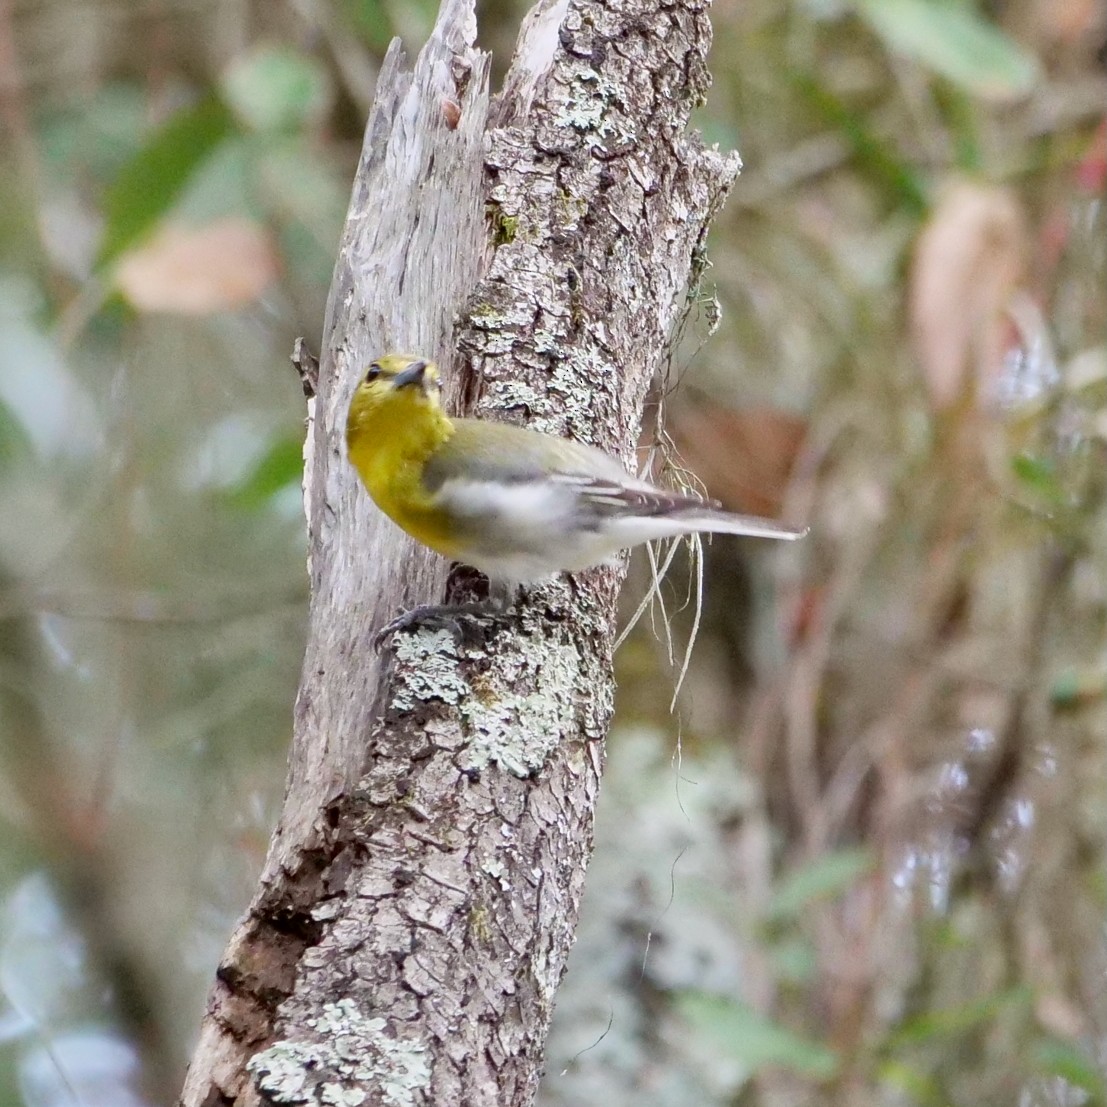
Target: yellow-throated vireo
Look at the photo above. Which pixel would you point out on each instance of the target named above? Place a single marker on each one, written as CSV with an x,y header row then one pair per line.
x,y
514,503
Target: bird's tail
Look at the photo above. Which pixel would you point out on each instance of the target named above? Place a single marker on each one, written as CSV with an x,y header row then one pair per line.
x,y
724,522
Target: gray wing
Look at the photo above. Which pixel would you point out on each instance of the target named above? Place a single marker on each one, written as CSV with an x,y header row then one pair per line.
x,y
603,499
501,494
477,472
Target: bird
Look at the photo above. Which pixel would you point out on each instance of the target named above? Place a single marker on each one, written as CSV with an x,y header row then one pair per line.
x,y
517,504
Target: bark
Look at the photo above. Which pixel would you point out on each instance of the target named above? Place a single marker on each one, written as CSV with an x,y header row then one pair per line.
x,y
420,895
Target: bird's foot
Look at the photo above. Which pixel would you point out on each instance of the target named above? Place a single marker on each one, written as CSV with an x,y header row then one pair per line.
x,y
467,622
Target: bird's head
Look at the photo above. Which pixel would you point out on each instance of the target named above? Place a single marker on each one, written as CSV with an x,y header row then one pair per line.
x,y
397,386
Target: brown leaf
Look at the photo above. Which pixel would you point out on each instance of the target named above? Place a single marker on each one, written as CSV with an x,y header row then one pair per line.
x,y
744,458
968,261
199,270
451,113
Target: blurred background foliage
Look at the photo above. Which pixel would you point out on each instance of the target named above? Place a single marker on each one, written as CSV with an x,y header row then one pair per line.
x,y
862,860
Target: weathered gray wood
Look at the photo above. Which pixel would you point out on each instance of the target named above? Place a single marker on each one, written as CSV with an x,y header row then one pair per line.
x,y
412,248
420,896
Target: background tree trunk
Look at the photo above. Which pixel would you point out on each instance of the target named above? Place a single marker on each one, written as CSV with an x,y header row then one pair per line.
x,y
420,894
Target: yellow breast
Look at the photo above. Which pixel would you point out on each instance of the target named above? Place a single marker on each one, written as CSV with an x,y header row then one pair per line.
x,y
390,453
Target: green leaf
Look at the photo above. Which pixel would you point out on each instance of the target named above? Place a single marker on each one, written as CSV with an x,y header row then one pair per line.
x,y
742,1034
371,20
875,156
222,185
280,466
929,1025
1039,474
958,110
951,39
918,1085
1072,687
1058,1058
793,962
152,180
825,878
275,89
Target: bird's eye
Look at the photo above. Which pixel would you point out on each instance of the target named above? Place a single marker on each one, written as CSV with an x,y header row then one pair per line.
x,y
374,372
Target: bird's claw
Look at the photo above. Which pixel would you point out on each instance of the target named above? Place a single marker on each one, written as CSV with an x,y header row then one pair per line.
x,y
468,623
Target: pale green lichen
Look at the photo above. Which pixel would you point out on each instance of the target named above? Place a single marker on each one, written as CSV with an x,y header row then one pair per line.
x,y
427,669
514,393
587,107
486,317
335,1095
582,113
590,95
354,1053
546,342
489,317
326,910
519,732
573,380
282,1071
497,870
515,730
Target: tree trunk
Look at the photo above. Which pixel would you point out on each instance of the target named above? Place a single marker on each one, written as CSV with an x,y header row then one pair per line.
x,y
420,895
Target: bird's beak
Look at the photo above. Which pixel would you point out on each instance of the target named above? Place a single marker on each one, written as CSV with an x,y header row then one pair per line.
x,y
413,374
